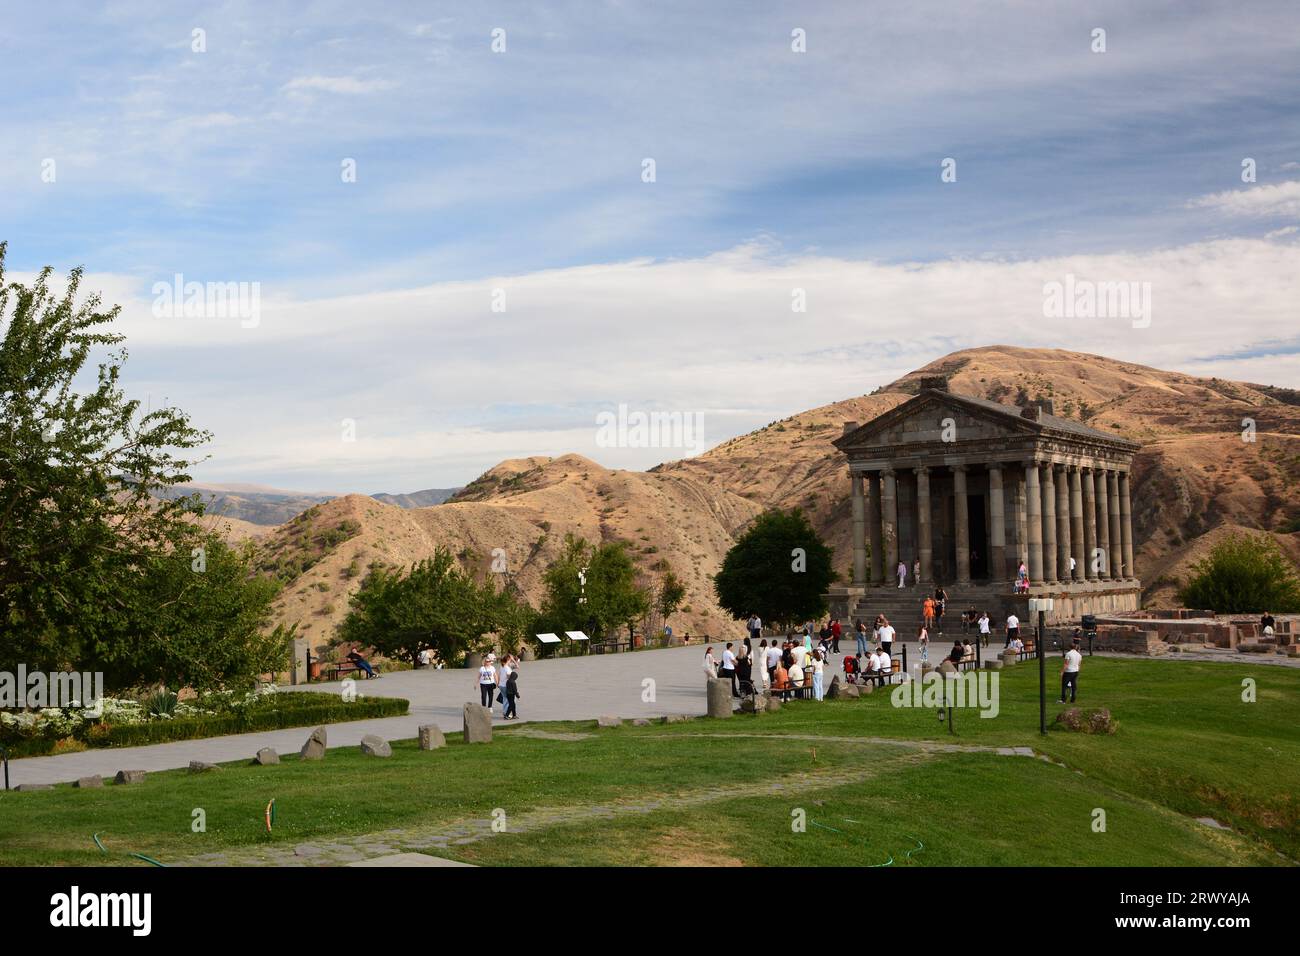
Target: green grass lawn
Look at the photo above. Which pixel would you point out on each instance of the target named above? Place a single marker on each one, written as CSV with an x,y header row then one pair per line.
x,y
1187,746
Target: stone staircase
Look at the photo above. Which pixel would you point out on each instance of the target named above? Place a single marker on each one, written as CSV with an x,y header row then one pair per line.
x,y
902,606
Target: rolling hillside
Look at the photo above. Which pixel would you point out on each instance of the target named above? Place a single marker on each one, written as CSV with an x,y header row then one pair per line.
x,y
1194,480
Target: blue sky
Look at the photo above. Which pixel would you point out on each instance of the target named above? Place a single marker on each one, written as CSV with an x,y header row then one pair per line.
x,y
521,171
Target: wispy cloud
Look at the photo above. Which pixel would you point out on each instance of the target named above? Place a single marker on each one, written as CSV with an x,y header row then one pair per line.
x,y
350,85
1276,199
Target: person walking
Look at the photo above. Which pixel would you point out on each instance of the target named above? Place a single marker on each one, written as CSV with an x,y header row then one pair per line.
x,y
923,638
512,694
1013,628
836,631
745,672
985,627
818,667
916,572
1070,672
860,630
1022,578
503,677
487,682
927,612
901,571
940,605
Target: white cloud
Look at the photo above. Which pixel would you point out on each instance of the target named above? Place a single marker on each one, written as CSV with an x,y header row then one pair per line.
x,y
338,84
1276,199
442,387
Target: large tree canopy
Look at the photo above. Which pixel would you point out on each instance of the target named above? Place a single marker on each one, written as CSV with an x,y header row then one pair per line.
x,y
1243,574
95,572
779,569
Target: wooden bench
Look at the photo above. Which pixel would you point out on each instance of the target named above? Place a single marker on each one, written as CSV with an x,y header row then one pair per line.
x,y
335,671
895,670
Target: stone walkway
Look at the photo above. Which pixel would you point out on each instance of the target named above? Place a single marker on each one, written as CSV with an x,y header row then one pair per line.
x,y
444,836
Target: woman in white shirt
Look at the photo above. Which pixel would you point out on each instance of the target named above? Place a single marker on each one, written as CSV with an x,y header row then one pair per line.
x,y
487,683
710,664
818,665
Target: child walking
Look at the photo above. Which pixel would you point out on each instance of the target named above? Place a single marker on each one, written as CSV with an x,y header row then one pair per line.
x,y
512,694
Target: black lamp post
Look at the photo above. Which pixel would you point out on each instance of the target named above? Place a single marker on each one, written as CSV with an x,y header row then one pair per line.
x,y
1042,606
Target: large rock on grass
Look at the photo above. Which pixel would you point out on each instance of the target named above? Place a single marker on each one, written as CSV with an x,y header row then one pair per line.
x,y
267,757
478,724
314,748
431,737
372,745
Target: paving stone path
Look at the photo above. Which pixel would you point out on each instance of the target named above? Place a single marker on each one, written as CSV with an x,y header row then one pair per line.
x,y
444,836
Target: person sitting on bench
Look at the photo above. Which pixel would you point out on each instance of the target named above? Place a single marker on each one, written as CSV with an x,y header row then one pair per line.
x,y
362,663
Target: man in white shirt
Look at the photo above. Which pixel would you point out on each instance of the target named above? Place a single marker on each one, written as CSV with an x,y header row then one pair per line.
x,y
1073,565
728,669
1070,672
884,666
886,636
1013,628
985,628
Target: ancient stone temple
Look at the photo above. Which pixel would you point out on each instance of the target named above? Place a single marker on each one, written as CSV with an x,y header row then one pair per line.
x,y
968,489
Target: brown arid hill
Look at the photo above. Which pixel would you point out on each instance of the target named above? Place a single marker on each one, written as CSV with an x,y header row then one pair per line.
x,y
1195,480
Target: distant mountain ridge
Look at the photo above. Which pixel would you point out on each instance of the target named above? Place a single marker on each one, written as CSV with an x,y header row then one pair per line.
x,y
270,507
417,499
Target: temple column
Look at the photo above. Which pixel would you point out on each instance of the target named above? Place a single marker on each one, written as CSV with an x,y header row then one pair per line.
x,y
1126,525
1088,480
1063,527
1022,522
924,542
889,521
873,527
1050,553
997,526
859,531
963,523
1117,569
1076,525
1103,524
1034,522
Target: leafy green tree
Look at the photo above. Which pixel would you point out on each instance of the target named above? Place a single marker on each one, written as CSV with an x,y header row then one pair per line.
x,y
435,604
95,569
1243,574
610,598
671,594
779,569
209,626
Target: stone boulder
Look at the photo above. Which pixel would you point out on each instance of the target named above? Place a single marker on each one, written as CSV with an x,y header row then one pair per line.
x,y
199,766
641,722
266,757
85,783
677,718
609,720
947,667
314,748
866,687
719,697
34,786
431,737
849,691
835,689
1095,721
1010,658
993,665
129,776
773,705
375,746
478,724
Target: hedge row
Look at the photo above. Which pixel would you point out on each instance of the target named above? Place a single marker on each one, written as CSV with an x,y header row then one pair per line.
x,y
282,711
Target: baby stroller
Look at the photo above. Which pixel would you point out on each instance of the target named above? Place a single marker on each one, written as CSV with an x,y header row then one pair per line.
x,y
850,668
